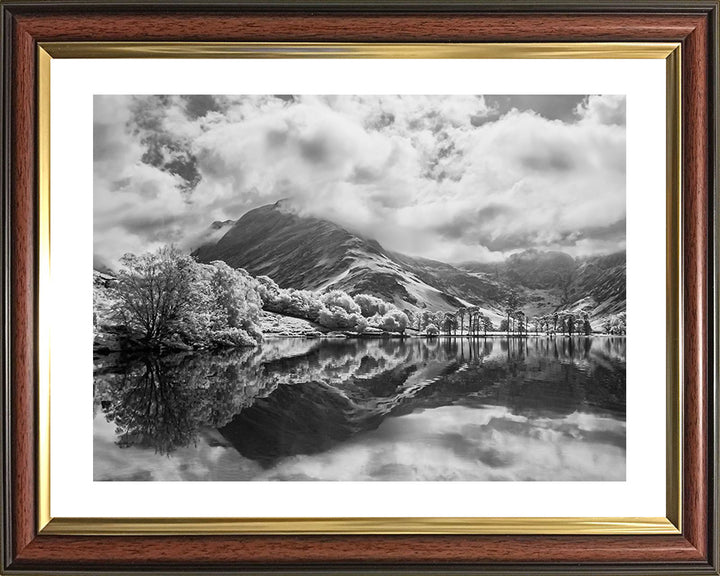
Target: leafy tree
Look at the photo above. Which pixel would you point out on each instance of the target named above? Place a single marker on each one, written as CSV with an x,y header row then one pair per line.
x,y
615,324
370,305
475,320
267,288
410,318
587,328
235,302
154,293
512,305
431,330
448,322
394,321
570,323
337,318
461,312
167,299
509,311
340,299
487,324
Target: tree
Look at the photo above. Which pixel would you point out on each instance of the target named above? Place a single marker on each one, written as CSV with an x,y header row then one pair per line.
x,y
509,311
570,323
154,292
461,314
587,328
394,321
521,326
425,320
512,305
167,299
340,299
233,305
410,318
288,301
431,330
475,320
337,318
448,322
486,324
267,288
370,305
615,324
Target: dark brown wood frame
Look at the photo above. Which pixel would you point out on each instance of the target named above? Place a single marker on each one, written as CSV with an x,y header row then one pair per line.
x,y
693,23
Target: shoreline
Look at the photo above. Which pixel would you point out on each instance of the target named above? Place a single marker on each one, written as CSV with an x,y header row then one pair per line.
x,y
388,336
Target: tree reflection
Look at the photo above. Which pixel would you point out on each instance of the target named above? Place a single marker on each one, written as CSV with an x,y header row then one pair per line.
x,y
163,401
301,395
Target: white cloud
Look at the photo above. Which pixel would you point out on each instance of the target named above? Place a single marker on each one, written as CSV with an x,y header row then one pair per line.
x,y
440,177
606,109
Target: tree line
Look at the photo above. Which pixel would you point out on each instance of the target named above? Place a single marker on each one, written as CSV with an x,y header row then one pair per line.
x,y
168,299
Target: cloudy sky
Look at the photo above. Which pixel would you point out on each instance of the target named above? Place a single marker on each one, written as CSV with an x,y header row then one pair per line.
x,y
453,178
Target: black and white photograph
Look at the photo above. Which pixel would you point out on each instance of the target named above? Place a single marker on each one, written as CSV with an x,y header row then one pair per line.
x,y
359,287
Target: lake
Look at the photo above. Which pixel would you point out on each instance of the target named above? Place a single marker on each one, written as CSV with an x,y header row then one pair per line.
x,y
483,409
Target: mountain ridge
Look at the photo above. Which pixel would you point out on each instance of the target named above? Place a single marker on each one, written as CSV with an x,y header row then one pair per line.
x,y
306,252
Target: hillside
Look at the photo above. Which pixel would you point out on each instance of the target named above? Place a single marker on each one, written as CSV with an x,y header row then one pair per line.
x,y
304,252
308,253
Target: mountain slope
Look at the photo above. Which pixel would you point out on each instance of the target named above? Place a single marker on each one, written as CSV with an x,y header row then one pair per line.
x,y
554,281
305,252
309,253
295,251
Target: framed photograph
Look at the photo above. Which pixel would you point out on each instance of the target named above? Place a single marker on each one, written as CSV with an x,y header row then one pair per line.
x,y
359,287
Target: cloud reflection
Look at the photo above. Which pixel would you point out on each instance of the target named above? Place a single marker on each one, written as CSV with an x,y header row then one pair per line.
x,y
480,444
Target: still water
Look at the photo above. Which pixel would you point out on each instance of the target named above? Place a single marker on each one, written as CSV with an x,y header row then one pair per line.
x,y
413,409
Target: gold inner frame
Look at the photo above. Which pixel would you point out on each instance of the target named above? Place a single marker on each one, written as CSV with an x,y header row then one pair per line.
x,y
670,524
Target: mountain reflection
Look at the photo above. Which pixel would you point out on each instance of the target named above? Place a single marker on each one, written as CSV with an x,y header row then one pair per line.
x,y
482,408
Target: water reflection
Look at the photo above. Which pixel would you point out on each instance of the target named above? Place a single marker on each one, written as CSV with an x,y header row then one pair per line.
x,y
461,409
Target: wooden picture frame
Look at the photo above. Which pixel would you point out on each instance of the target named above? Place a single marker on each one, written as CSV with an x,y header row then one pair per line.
x,y
684,542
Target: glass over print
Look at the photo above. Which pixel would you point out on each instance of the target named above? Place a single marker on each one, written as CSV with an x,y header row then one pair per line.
x,y
359,288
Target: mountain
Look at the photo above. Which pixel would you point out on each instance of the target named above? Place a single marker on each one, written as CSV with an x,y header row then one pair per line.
x,y
296,251
305,252
553,281
537,269
603,279
214,232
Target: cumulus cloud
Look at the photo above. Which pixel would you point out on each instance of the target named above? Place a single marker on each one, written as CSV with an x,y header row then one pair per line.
x,y
603,109
471,444
452,178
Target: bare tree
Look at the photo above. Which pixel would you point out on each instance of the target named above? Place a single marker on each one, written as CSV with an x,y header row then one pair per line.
x,y
154,291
